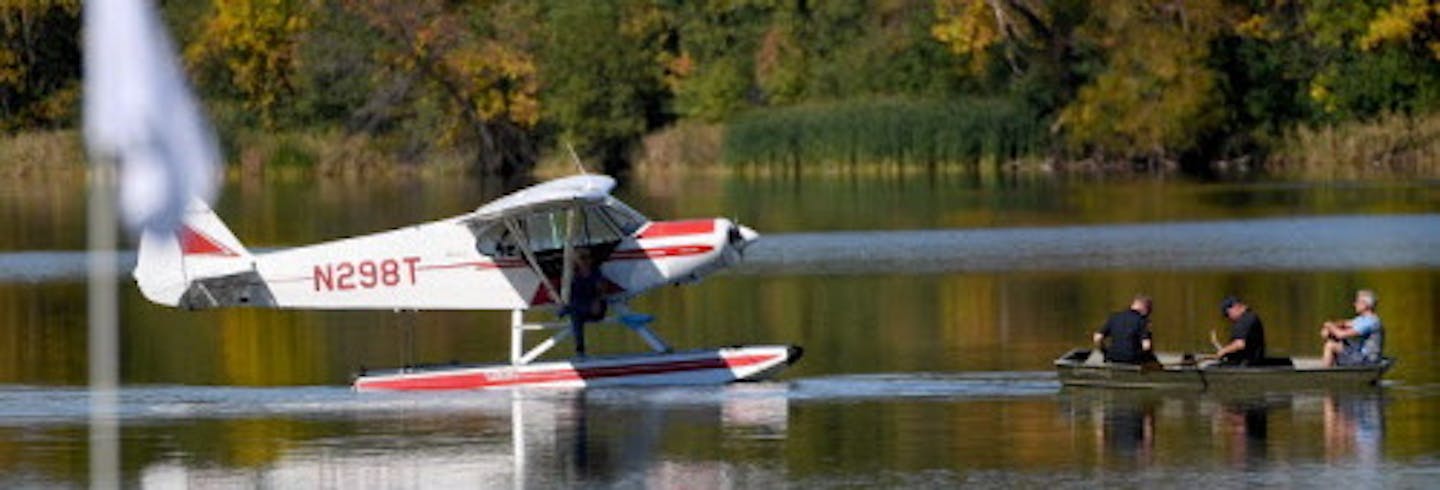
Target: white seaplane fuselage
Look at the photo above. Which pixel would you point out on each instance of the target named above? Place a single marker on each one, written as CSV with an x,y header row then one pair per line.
x,y
516,253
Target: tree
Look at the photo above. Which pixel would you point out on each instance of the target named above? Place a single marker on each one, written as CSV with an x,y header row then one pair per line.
x,y
1390,61
604,70
39,63
473,72
257,43
714,44
1156,97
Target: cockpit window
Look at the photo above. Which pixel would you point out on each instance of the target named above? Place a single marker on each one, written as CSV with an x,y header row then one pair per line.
x,y
546,230
596,228
626,220
493,238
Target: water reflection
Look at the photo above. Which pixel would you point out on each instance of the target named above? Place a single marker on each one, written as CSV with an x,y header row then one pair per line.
x,y
1354,428
573,438
1127,431
952,431
1242,426
1244,432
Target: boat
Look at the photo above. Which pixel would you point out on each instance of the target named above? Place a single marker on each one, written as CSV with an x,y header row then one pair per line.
x,y
1183,372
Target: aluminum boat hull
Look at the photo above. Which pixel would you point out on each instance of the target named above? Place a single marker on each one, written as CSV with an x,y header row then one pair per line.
x,y
1075,368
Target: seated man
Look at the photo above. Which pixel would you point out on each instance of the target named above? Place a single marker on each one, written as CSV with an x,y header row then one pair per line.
x,y
1129,334
1247,335
1357,341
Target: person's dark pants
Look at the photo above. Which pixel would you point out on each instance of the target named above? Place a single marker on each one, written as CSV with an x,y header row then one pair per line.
x,y
577,330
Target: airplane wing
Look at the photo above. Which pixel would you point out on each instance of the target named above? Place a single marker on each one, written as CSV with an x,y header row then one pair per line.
x,y
558,193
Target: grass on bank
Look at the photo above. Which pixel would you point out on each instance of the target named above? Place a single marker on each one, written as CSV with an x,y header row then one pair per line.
x,y
330,154
37,153
333,154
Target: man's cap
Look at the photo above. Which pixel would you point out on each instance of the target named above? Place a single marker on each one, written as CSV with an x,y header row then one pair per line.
x,y
1226,303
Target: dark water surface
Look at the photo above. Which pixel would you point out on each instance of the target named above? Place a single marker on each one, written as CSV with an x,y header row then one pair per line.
x,y
927,351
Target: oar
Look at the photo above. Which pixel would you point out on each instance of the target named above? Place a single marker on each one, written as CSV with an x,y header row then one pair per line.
x,y
1214,341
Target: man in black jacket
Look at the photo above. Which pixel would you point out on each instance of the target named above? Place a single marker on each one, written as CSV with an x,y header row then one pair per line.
x,y
1129,334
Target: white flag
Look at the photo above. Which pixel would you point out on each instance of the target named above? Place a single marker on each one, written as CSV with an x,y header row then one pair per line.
x,y
139,110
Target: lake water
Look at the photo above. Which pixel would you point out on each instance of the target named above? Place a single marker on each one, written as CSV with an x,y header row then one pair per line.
x,y
930,309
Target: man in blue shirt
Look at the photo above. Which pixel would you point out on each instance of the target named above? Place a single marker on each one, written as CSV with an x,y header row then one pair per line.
x,y
1357,341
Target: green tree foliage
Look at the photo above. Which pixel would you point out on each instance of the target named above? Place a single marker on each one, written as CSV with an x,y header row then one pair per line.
x,y
711,72
1385,57
604,74
734,56
1156,97
39,63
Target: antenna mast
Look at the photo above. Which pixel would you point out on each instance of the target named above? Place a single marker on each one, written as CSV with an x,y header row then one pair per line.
x,y
576,158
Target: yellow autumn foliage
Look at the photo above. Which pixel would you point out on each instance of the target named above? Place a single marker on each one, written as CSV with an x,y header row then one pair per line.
x,y
257,41
1398,22
968,28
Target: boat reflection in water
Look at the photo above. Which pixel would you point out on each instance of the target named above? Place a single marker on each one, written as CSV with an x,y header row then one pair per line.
x,y
553,438
1242,431
1354,428
1242,426
1126,431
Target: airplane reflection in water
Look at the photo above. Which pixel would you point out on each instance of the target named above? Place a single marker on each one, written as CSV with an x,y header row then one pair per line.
x,y
555,438
1129,428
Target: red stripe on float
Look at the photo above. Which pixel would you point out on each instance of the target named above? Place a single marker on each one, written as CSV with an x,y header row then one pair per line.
x,y
473,380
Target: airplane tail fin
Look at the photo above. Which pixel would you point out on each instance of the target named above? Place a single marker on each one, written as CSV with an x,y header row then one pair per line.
x,y
181,268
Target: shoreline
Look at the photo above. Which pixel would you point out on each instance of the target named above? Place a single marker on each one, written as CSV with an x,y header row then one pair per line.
x,y
1338,153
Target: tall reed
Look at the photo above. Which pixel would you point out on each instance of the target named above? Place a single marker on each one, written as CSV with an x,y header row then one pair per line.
x,y
1390,146
886,130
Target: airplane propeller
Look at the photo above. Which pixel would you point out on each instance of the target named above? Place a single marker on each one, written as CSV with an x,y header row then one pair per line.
x,y
739,237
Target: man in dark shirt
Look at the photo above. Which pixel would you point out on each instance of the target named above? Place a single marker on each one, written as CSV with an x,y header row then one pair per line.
x,y
586,299
1247,335
1129,334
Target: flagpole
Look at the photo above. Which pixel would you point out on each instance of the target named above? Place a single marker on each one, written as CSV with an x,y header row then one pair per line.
x,y
103,316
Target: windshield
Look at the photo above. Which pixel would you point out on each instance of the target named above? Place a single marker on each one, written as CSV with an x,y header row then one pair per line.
x,y
546,230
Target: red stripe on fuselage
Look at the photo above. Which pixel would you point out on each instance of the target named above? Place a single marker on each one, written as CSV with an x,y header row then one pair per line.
x,y
474,380
661,229
658,252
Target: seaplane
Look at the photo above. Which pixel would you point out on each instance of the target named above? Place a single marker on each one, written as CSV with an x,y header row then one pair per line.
x,y
517,253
